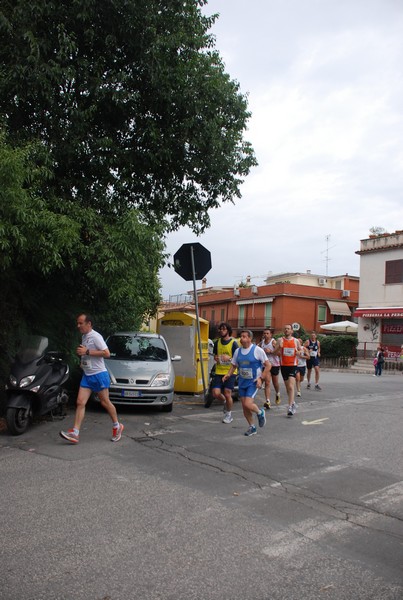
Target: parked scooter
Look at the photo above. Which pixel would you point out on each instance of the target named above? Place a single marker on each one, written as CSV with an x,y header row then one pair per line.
x,y
35,385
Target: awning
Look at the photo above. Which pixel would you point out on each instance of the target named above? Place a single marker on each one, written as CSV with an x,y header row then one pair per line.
x,y
382,313
339,308
255,301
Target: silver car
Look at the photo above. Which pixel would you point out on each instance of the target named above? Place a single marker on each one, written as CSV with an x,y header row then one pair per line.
x,y
141,371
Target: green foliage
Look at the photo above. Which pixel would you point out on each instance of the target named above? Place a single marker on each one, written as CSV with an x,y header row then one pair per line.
x,y
54,266
32,236
132,103
120,124
338,345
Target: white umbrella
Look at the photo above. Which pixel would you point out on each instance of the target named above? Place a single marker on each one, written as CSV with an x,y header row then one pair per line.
x,y
341,327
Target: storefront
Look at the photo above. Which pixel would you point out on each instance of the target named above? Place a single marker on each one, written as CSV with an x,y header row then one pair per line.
x,y
389,323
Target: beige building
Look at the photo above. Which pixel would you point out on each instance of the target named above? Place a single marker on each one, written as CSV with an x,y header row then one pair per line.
x,y
380,309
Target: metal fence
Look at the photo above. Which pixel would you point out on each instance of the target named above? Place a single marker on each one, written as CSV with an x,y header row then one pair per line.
x,y
337,362
393,365
345,362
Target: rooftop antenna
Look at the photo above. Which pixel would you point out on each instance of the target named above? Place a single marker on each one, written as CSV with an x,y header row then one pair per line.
x,y
327,238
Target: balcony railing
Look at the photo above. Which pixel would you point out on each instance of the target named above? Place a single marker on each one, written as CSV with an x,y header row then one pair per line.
x,y
255,324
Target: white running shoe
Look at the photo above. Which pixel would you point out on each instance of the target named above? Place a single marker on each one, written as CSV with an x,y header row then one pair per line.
x,y
227,418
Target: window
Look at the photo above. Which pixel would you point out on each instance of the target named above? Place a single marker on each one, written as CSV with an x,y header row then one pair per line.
x,y
204,314
212,316
222,317
241,316
137,347
267,314
321,313
394,271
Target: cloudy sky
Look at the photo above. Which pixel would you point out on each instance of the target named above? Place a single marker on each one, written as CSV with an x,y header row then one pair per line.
x,y
325,85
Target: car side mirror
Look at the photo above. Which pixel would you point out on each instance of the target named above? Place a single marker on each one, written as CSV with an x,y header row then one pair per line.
x,y
176,358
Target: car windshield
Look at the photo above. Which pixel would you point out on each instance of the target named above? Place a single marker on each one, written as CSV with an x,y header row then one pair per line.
x,y
137,347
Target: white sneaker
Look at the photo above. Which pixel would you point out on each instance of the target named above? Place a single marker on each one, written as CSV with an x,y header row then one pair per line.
x,y
227,418
299,394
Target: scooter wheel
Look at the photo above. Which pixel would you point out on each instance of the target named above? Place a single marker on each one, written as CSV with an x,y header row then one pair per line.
x,y
17,420
208,401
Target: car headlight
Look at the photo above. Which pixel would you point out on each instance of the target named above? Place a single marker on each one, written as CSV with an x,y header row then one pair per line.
x,y
162,379
27,380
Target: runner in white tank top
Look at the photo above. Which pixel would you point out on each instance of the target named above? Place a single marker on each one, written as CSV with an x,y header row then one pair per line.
x,y
268,344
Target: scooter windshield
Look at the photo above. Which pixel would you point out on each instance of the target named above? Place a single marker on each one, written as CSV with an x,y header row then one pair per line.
x,y
32,347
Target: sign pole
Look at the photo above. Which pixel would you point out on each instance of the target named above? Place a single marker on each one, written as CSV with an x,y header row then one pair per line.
x,y
198,320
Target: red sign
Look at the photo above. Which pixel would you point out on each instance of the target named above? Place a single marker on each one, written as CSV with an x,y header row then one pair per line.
x,y
392,352
394,329
382,313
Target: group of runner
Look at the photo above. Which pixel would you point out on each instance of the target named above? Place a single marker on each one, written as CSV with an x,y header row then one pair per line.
x,y
256,365
260,364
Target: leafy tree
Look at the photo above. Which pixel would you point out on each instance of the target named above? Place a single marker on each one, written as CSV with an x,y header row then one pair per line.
x,y
121,125
50,271
131,101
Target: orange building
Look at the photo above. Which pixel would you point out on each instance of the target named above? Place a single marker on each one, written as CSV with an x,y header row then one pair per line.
x,y
303,298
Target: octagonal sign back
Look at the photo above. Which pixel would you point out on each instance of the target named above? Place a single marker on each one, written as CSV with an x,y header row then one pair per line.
x,y
183,261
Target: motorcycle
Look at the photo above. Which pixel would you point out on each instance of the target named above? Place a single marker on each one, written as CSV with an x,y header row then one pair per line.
x,y
35,385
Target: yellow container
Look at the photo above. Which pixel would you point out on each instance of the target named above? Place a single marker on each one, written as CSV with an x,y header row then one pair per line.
x,y
180,332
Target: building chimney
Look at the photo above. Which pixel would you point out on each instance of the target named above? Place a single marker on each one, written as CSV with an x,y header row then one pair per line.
x,y
204,283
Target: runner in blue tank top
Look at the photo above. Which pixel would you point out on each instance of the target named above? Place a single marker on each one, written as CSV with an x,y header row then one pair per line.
x,y
249,359
313,345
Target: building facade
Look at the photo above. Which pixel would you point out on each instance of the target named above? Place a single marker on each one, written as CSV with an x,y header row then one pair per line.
x,y
304,298
380,311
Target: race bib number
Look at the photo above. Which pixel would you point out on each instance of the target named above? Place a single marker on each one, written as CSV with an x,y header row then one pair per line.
x,y
289,351
313,353
224,359
86,362
246,373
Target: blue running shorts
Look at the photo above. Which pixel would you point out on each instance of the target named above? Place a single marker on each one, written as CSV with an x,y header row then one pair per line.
x,y
248,391
218,383
97,382
312,362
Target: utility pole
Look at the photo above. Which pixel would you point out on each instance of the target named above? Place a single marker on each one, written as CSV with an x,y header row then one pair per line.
x,y
327,238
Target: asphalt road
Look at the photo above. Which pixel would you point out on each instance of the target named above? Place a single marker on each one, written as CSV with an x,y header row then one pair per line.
x,y
185,507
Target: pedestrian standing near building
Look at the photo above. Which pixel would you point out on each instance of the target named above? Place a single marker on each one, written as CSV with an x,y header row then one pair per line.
x,y
288,348
313,345
301,367
249,359
380,359
224,349
92,352
268,344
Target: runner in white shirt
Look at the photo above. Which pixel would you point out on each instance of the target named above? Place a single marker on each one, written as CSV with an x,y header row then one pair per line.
x,y
268,344
92,352
301,367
